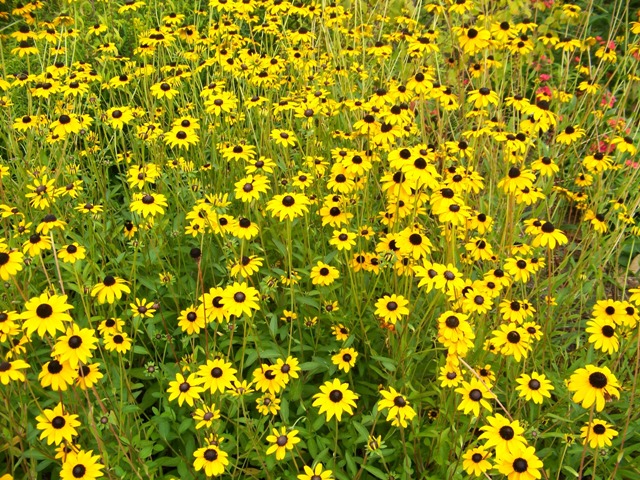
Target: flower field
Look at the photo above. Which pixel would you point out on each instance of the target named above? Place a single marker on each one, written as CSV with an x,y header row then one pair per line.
x,y
274,239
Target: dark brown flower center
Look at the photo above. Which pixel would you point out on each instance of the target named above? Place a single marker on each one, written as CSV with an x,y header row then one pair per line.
x,y
210,455
399,401
335,396
520,465
58,422
75,341
598,380
44,310
506,433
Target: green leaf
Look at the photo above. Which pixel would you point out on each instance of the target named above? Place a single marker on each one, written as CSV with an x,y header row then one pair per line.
x,y
376,472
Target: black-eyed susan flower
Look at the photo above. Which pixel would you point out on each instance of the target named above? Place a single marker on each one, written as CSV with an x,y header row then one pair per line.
x,y
72,253
267,378
285,138
190,322
241,299
118,117
570,135
141,308
185,389
522,465
345,359
10,371
334,399
391,308
163,90
593,385
75,345
534,387
340,332
549,236
512,340
343,239
289,368
603,335
56,425
505,435
212,306
148,205
205,416
450,375
516,180
45,314
243,228
282,441
250,187
474,395
268,404
110,289
11,262
519,269
88,376
399,409
110,326
598,434
212,459
57,375
624,144
82,465
316,473
473,39
611,310
483,97
289,205
475,461
118,342
324,274
36,244
217,375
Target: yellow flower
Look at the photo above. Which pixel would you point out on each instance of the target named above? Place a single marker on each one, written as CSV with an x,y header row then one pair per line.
x,y
282,441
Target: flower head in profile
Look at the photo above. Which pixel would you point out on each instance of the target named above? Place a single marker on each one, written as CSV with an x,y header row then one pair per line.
x,y
11,262
549,236
148,205
288,206
10,371
110,289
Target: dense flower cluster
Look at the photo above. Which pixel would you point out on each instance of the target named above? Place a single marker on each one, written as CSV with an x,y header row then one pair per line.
x,y
300,239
